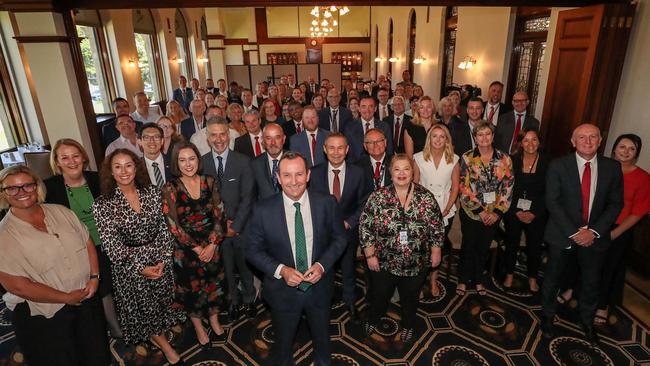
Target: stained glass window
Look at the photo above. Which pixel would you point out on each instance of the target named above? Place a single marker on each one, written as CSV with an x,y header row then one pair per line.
x,y
540,62
449,55
537,24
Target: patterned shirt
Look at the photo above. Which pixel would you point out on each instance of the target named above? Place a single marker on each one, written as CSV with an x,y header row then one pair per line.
x,y
485,187
382,221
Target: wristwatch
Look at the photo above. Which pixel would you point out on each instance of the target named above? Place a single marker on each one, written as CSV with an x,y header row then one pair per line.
x,y
93,276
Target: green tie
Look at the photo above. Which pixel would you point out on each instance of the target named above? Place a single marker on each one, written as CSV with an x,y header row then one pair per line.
x,y
301,247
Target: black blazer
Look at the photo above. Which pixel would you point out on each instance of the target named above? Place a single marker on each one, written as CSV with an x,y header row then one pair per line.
x,y
461,136
355,190
167,170
404,122
56,191
506,128
110,132
244,145
269,246
533,184
289,128
564,200
390,111
262,175
355,134
345,118
369,171
503,109
187,127
236,186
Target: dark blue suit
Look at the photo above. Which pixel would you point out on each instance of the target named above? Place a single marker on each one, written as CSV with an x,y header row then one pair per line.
x,y
344,118
178,96
301,143
355,192
355,134
188,128
269,246
262,176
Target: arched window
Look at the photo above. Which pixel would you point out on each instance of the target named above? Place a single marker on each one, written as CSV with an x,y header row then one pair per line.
x,y
146,44
411,34
204,47
390,46
182,45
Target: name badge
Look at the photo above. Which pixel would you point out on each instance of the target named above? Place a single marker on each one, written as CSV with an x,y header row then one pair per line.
x,y
403,237
524,204
489,197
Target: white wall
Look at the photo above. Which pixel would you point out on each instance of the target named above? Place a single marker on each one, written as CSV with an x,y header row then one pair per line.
x,y
630,112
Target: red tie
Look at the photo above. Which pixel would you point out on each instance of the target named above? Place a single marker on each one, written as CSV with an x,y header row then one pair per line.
x,y
377,169
513,144
586,192
491,115
298,128
396,133
385,113
258,147
336,187
313,148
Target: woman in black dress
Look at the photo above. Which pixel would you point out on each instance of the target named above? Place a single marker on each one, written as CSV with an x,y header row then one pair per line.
x,y
415,134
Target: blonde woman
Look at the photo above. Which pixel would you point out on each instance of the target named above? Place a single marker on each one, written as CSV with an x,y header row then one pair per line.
x,y
446,111
437,169
221,101
234,113
175,113
415,134
170,137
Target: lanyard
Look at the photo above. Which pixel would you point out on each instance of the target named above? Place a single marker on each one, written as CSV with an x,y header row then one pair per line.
x,y
533,165
400,207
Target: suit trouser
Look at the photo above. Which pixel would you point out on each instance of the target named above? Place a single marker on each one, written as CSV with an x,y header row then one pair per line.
x,y
285,325
474,249
534,238
234,261
613,278
409,294
590,261
348,269
74,336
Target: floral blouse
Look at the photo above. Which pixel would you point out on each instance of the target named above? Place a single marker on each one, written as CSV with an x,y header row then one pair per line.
x,y
485,187
381,222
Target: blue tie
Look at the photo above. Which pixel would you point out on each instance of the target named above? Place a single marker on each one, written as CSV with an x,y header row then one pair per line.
x,y
274,175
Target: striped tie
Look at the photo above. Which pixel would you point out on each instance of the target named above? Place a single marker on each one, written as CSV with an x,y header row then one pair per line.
x,y
156,172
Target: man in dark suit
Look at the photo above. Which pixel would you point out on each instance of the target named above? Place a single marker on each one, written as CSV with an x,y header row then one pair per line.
x,y
294,125
376,162
233,175
309,143
222,89
493,108
247,101
347,184
265,166
250,143
109,131
196,121
183,95
513,122
584,196
210,88
461,130
384,110
295,238
397,123
356,131
150,139
334,118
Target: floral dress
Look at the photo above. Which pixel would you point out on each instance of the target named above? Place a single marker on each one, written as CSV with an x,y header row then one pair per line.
x,y
382,220
196,223
133,241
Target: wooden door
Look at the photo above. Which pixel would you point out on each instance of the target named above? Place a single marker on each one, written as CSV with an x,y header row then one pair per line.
x,y
586,64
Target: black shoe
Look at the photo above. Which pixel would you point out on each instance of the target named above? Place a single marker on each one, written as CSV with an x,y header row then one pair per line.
x,y
233,313
354,314
250,310
547,327
180,362
591,335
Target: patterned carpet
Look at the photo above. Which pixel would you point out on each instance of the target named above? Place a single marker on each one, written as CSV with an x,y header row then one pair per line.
x,y
498,329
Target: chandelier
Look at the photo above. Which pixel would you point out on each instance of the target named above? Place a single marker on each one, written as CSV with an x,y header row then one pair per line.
x,y
323,23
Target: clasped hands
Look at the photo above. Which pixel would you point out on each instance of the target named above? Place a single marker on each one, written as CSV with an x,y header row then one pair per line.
x,y
525,216
153,272
488,218
584,237
205,253
292,277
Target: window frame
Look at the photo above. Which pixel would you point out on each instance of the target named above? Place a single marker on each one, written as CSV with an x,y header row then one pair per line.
x,y
11,108
451,25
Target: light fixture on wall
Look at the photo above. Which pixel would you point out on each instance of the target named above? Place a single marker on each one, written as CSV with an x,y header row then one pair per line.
x,y
202,60
178,60
131,62
393,59
323,22
467,63
419,60
379,59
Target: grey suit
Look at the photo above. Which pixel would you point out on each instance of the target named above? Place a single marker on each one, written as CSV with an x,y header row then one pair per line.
x,y
506,129
236,188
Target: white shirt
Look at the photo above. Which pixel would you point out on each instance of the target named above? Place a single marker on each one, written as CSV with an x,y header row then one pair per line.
x,y
594,175
382,170
401,125
486,113
270,161
248,108
161,166
200,139
259,137
199,125
372,125
330,177
152,117
290,216
381,107
122,143
471,134
309,133
337,119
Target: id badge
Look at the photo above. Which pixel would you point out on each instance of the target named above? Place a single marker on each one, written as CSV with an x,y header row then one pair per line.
x,y
403,237
489,197
524,204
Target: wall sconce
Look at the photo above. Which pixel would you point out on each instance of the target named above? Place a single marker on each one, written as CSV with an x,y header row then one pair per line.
x,y
177,60
131,63
467,63
202,60
393,59
379,59
419,60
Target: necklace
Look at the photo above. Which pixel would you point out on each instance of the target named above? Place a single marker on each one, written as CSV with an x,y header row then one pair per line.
x,y
85,210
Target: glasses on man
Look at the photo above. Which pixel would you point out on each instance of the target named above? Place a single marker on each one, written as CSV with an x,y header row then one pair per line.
x,y
374,142
13,190
151,138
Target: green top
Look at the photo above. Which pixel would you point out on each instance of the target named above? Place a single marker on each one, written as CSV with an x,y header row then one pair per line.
x,y
81,203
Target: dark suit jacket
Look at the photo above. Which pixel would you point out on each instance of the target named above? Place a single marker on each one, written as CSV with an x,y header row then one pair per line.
x,y
167,171
236,187
506,128
461,136
369,171
390,111
403,122
289,128
262,176
56,191
301,143
178,96
503,109
269,246
110,133
253,107
214,90
345,118
355,135
355,190
564,200
187,128
244,145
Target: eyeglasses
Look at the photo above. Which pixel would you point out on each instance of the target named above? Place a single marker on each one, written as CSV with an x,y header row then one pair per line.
x,y
151,138
519,100
375,142
13,190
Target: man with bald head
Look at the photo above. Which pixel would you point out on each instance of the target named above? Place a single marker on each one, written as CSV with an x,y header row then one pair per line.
x,y
513,122
196,121
265,166
584,196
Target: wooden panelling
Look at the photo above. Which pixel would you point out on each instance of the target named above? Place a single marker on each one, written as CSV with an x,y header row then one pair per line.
x,y
42,39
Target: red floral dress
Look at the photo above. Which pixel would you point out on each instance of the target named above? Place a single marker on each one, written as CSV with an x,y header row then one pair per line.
x,y
196,223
